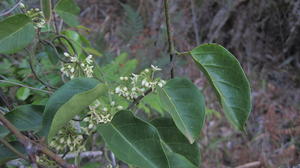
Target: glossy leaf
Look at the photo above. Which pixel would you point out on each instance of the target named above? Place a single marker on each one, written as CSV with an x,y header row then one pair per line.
x,y
178,161
68,11
176,142
228,79
184,101
16,32
62,96
7,155
73,107
46,8
25,118
134,141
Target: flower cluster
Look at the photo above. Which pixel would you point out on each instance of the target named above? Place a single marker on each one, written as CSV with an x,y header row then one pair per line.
x,y
37,17
137,84
69,139
100,113
76,68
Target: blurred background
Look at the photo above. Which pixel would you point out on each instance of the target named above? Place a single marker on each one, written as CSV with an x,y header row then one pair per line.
x,y
264,35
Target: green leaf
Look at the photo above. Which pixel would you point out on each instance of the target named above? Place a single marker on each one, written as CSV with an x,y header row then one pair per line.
x,y
23,93
178,161
25,118
16,33
228,79
175,141
68,11
7,155
46,8
68,101
134,141
184,101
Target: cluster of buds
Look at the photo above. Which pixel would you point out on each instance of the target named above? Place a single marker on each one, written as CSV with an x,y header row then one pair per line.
x,y
37,17
68,139
44,161
76,68
136,85
100,113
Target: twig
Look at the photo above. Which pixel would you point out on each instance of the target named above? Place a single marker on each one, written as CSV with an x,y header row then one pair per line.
x,y
31,54
84,154
249,165
55,50
11,148
31,145
29,87
138,99
170,41
3,13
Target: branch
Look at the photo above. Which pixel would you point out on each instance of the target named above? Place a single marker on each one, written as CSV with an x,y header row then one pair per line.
x,y
3,13
31,54
138,99
170,41
14,150
31,145
29,87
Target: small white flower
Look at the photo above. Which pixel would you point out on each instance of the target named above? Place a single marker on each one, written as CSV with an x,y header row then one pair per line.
x,y
147,70
118,89
155,68
112,103
91,126
120,107
66,54
22,5
121,78
61,140
72,70
86,119
125,88
105,109
126,78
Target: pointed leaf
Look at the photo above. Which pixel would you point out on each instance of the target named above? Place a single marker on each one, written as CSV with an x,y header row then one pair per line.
x,y
228,79
62,96
16,32
176,143
134,141
25,118
184,101
68,11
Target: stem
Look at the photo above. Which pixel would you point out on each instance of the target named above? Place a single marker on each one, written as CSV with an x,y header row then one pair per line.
x,y
14,150
10,10
29,144
29,87
170,41
138,99
31,54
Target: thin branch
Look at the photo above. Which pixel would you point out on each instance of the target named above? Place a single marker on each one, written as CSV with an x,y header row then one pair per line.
x,y
31,54
29,144
170,40
14,150
3,13
55,50
138,99
29,87
194,19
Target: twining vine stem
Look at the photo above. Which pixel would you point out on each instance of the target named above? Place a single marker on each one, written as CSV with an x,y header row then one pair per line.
x,y
170,40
